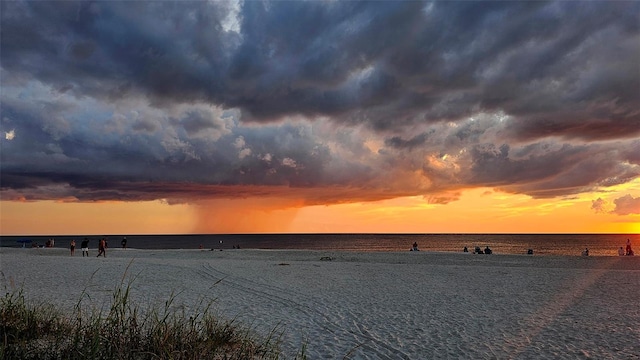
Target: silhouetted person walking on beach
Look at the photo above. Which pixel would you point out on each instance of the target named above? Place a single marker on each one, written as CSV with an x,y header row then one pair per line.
x,y
102,248
124,242
72,247
629,252
84,246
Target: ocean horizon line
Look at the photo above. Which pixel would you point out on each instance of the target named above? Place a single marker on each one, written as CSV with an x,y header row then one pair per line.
x,y
323,233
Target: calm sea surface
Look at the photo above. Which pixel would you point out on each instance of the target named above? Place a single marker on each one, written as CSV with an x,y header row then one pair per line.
x,y
542,244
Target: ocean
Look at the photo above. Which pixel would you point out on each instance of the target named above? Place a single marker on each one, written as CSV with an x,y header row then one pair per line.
x,y
541,244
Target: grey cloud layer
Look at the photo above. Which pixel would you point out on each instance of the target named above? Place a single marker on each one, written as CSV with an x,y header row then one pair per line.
x,y
115,99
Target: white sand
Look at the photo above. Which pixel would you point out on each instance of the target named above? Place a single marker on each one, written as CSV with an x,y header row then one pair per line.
x,y
370,305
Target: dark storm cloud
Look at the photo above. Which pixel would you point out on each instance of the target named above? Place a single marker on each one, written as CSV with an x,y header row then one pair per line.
x,y
400,143
197,121
557,65
543,171
390,98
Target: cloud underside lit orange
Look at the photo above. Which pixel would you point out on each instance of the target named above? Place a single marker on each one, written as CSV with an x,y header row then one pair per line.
x,y
185,192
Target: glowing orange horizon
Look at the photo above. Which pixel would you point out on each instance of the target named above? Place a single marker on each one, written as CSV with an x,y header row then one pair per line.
x,y
477,211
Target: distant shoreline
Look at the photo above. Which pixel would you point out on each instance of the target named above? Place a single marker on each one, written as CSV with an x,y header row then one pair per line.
x,y
540,244
58,250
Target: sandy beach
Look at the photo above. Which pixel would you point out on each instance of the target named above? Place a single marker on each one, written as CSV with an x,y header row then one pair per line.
x,y
398,305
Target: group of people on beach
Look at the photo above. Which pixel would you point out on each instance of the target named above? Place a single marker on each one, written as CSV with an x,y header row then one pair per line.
x,y
102,246
478,250
84,246
628,251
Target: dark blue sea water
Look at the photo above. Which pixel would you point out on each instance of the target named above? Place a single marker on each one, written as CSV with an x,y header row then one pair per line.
x,y
542,244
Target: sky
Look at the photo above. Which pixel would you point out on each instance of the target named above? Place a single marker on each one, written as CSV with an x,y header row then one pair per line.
x,y
148,117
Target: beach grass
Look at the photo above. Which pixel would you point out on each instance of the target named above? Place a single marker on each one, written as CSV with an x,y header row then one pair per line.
x,y
123,331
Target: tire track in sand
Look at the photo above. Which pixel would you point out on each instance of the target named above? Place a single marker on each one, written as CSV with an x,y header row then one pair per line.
x,y
314,313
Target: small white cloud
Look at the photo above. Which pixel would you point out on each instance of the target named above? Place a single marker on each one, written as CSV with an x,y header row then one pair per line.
x,y
231,23
10,135
239,143
244,153
174,146
289,162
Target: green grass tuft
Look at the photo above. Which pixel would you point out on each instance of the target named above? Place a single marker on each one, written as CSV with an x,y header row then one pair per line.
x,y
29,331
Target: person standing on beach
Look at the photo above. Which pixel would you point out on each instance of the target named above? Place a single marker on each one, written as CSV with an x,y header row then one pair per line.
x,y
629,252
72,246
84,246
102,248
124,242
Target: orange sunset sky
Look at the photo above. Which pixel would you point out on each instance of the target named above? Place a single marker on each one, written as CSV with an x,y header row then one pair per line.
x,y
388,116
477,211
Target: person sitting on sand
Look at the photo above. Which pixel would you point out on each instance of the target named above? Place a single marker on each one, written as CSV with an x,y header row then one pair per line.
x,y
477,250
621,251
487,250
415,246
585,252
465,250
